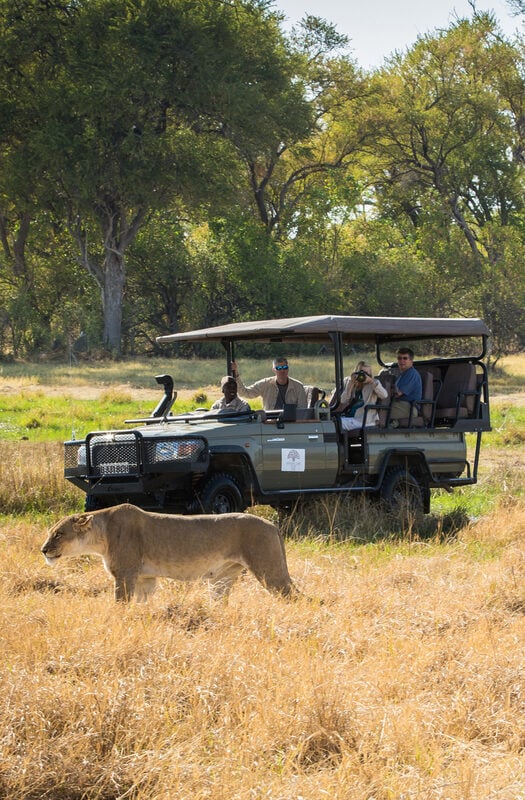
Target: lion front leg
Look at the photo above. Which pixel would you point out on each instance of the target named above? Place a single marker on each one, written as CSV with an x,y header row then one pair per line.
x,y
221,582
144,588
124,587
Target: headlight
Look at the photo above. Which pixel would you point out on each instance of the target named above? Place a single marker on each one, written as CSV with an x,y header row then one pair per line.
x,y
165,451
176,450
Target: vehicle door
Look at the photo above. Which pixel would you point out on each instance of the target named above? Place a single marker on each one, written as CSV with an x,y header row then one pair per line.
x,y
299,455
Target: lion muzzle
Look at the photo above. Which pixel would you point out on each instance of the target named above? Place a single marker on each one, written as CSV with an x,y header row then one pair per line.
x,y
50,557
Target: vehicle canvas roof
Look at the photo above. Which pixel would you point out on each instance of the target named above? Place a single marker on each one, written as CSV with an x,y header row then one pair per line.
x,y
318,328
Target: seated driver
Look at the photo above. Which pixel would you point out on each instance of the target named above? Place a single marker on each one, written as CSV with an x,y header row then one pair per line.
x,y
230,401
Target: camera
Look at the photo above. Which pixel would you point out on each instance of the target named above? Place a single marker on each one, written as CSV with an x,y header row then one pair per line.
x,y
360,376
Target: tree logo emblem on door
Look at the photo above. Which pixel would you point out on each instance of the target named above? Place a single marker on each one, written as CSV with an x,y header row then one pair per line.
x,y
292,460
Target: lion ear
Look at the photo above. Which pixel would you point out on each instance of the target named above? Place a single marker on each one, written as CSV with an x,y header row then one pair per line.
x,y
84,523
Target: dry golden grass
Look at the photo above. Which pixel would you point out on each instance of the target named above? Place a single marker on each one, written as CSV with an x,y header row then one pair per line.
x,y
32,479
407,681
514,365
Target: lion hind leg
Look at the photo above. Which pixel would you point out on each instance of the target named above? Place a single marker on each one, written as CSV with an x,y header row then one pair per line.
x,y
266,560
279,584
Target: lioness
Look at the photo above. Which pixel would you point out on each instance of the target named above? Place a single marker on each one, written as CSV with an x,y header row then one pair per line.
x,y
138,546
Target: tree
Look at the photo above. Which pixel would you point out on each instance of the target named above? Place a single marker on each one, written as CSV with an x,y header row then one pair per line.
x,y
290,174
449,157
121,99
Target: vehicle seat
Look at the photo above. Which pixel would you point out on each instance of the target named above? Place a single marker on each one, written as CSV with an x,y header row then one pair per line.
x,y
425,417
313,395
457,398
386,378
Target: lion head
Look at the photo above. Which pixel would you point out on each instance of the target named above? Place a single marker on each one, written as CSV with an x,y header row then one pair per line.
x,y
67,538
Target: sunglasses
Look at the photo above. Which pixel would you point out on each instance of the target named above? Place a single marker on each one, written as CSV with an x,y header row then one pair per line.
x,y
281,366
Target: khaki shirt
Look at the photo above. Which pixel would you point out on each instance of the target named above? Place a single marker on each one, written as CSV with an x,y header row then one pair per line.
x,y
237,405
267,389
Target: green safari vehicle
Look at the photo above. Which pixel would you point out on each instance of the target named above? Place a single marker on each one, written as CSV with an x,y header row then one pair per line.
x,y
207,462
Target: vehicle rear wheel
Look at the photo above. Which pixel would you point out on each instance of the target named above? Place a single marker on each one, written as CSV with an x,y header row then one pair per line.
x,y
220,495
402,493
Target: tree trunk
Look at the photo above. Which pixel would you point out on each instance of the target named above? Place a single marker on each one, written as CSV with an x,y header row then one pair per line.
x,y
112,299
111,276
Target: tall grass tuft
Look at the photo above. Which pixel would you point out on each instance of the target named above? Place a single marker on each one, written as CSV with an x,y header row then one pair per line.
x,y
32,479
360,519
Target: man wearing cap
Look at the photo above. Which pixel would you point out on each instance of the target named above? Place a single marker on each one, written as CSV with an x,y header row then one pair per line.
x,y
275,391
230,401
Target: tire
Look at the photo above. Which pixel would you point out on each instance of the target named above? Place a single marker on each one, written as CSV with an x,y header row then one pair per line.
x,y
220,495
93,503
403,494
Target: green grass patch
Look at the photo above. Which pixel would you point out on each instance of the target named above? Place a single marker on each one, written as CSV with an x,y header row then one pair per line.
x,y
508,426
193,373
481,498
474,501
45,418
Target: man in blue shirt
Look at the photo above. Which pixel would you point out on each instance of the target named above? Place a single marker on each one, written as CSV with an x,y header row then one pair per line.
x,y
408,388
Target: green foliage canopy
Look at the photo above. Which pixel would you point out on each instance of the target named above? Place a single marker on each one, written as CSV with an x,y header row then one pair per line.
x,y
191,164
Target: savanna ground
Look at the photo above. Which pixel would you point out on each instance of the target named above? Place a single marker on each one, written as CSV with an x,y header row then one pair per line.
x,y
402,676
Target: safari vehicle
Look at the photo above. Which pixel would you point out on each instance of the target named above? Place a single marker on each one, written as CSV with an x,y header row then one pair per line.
x,y
204,462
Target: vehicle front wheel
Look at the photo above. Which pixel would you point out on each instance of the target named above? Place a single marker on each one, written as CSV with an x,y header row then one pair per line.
x,y
93,503
402,493
220,495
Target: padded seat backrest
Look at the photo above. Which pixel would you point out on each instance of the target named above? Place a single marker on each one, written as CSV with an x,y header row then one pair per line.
x,y
427,409
313,395
457,397
387,379
425,417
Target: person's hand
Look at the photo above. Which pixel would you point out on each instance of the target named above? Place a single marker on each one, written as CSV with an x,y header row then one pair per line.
x,y
234,369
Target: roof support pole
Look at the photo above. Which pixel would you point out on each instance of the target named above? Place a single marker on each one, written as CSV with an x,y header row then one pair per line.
x,y
337,340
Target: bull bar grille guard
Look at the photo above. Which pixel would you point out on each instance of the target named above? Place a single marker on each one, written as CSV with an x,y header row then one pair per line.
x,y
128,454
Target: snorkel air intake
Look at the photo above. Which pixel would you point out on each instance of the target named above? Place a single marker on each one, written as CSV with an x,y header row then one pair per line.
x,y
169,396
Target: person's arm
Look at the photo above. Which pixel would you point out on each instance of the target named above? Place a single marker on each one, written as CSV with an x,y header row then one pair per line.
x,y
401,385
379,390
255,390
302,401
